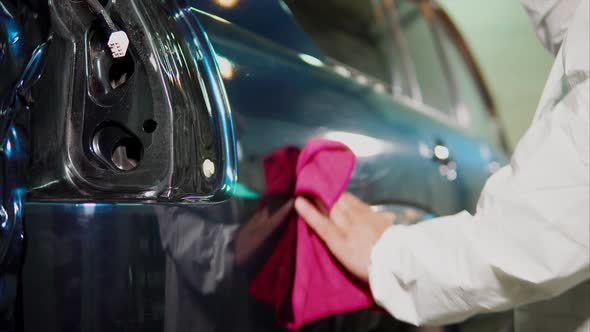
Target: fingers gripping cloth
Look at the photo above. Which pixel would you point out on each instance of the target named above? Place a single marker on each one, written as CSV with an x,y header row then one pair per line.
x,y
301,279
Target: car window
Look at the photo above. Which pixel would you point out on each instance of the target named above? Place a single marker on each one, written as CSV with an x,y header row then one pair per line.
x,y
472,111
354,33
425,55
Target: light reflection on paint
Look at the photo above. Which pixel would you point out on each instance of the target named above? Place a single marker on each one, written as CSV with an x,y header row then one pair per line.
x,y
379,87
411,215
342,71
401,214
311,60
362,79
89,208
149,194
285,8
215,17
227,3
242,191
239,151
8,149
153,62
226,67
361,145
5,11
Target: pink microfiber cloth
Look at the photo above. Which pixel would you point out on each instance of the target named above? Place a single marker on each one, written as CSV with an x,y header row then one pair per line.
x,y
301,279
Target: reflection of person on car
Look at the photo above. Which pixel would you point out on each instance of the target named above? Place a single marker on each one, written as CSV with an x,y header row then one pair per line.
x,y
528,241
206,256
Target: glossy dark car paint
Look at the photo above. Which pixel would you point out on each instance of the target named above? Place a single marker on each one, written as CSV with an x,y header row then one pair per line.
x,y
102,260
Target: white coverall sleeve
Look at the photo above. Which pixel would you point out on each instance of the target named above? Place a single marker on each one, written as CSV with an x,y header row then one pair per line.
x,y
529,239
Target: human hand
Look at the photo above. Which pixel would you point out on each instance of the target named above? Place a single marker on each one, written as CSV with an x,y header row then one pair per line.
x,y
350,231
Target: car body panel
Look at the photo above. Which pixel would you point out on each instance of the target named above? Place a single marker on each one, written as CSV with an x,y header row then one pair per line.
x,y
96,266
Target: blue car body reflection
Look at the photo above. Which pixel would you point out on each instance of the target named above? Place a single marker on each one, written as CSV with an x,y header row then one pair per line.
x,y
96,248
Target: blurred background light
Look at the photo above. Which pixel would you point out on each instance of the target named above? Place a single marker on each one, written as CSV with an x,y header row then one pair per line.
x,y
441,152
226,67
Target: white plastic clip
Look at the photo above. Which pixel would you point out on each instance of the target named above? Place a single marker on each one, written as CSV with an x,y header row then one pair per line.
x,y
118,43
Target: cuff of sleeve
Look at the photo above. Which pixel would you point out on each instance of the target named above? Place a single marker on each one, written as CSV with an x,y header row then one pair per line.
x,y
386,279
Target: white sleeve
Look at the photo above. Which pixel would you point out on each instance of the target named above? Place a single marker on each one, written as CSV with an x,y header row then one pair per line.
x,y
528,241
551,20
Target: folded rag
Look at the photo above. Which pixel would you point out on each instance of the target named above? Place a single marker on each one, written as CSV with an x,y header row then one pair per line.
x,y
301,279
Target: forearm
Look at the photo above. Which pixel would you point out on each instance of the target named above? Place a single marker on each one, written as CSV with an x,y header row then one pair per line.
x,y
528,241
449,269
